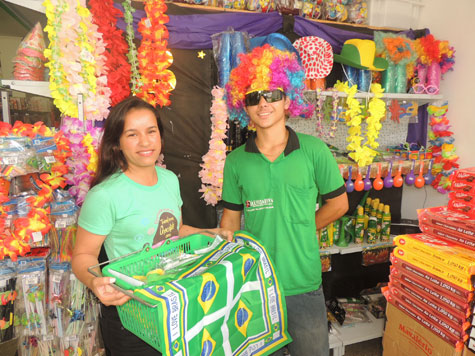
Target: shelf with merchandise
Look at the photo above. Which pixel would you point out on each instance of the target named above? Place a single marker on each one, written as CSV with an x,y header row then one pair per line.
x,y
421,99
28,86
30,4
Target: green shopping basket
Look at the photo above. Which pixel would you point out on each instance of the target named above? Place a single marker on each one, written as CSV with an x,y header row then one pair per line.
x,y
139,316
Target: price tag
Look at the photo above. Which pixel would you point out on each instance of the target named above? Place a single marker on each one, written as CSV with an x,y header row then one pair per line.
x,y
8,222
50,159
32,280
10,160
48,337
56,277
37,236
3,283
73,338
60,224
147,23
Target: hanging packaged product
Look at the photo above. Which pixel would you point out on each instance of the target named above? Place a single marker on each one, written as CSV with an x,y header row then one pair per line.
x,y
326,260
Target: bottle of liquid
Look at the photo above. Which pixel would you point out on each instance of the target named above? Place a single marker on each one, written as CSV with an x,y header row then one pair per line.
x,y
386,224
379,216
359,225
373,224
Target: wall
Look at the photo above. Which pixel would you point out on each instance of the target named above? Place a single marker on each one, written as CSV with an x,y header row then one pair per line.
x,y
452,21
8,47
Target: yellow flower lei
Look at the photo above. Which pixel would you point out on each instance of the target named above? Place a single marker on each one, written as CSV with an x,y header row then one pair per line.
x,y
363,153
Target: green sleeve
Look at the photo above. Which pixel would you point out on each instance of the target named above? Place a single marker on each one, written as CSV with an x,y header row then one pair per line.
x,y
232,197
328,177
97,215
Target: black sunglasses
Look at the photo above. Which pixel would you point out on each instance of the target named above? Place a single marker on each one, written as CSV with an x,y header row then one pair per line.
x,y
254,97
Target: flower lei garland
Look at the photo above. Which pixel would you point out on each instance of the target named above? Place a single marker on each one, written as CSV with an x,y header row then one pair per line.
x,y
84,142
363,154
443,149
320,113
211,173
71,32
156,80
15,241
132,54
118,76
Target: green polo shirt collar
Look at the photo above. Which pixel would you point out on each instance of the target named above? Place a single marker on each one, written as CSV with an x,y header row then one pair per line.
x,y
292,144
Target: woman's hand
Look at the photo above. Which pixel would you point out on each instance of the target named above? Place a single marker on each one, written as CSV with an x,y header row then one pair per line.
x,y
108,295
225,234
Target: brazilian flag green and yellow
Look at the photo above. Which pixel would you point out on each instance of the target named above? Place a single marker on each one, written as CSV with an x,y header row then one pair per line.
x,y
228,302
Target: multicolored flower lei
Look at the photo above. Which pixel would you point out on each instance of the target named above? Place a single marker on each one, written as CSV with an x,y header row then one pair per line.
x,y
156,80
363,153
118,74
71,32
211,173
84,142
15,240
443,149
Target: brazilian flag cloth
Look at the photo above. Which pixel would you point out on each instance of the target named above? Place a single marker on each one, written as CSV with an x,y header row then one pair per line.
x,y
227,303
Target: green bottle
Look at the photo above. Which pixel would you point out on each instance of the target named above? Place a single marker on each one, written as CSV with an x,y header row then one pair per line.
x,y
323,237
379,216
386,224
367,206
359,225
373,224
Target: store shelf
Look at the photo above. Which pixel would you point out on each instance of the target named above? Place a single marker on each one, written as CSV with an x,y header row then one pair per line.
x,y
358,332
353,247
420,98
36,5
28,86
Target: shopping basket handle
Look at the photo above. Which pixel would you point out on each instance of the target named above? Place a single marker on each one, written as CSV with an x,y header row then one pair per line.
x,y
113,285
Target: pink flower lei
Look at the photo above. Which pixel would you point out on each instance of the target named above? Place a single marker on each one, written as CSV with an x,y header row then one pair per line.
x,y
211,173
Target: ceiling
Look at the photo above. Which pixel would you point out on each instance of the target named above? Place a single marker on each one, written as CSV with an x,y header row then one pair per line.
x,y
17,21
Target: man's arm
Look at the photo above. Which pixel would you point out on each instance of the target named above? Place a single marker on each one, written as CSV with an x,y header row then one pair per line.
x,y
331,210
231,220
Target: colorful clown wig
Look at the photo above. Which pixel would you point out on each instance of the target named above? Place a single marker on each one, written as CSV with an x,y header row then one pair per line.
x,y
267,68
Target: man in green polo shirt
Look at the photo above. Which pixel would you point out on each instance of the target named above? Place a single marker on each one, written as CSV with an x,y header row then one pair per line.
x,y
275,178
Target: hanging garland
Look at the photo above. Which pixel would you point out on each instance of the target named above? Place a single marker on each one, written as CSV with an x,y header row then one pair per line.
x,y
320,113
154,58
211,173
15,240
75,59
363,153
118,74
443,149
84,142
132,54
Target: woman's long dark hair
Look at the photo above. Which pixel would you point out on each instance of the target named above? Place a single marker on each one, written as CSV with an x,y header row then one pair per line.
x,y
111,158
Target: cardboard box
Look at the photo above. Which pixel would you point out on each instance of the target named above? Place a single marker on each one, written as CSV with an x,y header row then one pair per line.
x,y
406,337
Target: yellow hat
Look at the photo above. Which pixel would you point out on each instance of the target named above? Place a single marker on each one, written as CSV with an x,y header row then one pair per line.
x,y
360,54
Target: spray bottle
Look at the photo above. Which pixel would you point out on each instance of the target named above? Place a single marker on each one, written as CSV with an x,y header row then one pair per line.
x,y
386,224
379,216
373,224
359,225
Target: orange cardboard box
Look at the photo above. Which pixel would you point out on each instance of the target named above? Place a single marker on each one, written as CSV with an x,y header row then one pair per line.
x,y
404,336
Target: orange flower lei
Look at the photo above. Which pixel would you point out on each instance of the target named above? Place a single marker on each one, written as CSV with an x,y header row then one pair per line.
x,y
15,240
154,58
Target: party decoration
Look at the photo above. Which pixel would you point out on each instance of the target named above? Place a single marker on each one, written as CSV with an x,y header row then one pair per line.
x,y
84,141
211,173
267,68
364,153
360,54
201,55
435,58
388,180
316,55
443,149
118,69
16,239
132,54
71,32
350,186
29,60
399,51
156,80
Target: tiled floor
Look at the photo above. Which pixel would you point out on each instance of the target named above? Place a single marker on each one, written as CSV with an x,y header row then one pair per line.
x,y
367,348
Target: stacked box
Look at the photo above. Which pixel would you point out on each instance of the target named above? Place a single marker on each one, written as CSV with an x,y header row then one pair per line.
x,y
462,196
431,281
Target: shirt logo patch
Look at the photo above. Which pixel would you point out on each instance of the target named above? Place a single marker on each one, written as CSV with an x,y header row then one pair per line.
x,y
254,205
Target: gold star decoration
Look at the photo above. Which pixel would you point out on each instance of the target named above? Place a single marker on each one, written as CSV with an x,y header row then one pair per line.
x,y
201,54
